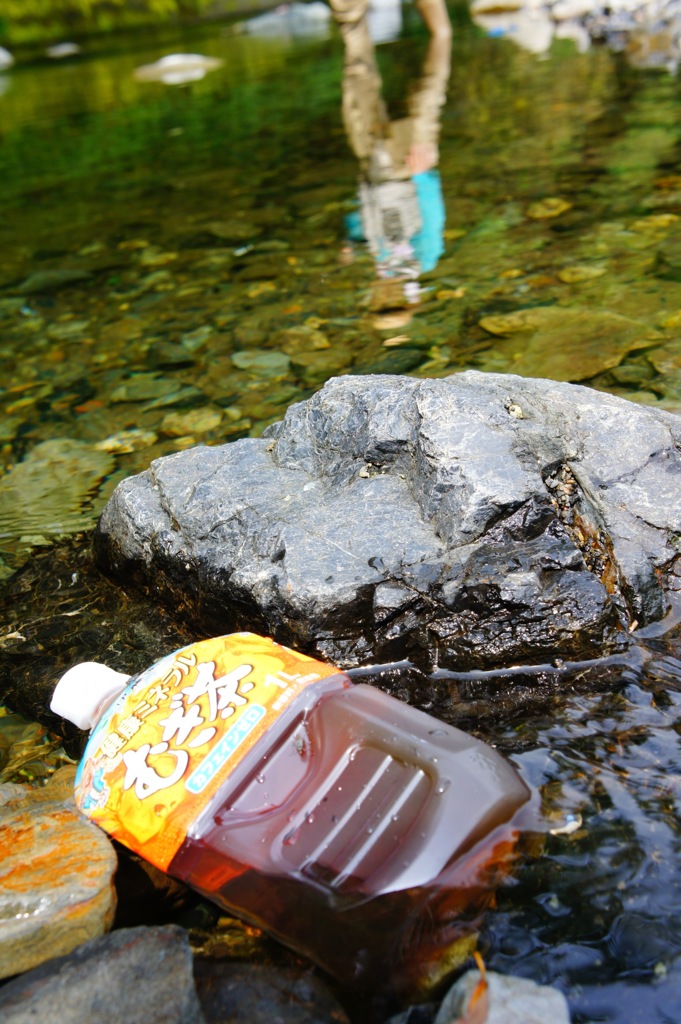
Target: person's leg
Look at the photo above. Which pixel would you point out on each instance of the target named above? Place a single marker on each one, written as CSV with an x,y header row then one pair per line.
x,y
364,114
352,9
350,16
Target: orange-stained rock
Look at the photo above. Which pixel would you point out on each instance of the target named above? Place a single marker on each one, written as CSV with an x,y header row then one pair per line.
x,y
56,875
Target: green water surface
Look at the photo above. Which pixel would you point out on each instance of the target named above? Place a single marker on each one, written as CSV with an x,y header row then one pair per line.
x,y
150,233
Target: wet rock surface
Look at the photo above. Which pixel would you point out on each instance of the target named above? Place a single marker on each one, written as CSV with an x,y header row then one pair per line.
x,y
508,1001
132,976
468,522
56,876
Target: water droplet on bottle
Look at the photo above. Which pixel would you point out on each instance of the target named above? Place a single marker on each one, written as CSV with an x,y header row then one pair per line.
x,y
260,778
291,838
334,819
309,818
434,760
444,785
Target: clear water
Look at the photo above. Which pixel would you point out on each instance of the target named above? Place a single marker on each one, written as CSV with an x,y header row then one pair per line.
x,y
210,219
150,233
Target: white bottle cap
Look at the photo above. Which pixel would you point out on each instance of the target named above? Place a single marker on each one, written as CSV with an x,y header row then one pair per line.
x,y
82,693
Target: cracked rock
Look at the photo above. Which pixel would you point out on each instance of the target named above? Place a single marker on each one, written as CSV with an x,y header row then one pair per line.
x,y
388,517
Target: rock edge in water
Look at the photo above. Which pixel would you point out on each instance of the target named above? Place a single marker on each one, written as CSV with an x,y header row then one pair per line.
x,y
467,522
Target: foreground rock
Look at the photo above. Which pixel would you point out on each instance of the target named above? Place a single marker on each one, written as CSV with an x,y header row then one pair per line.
x,y
507,1001
56,876
133,976
473,521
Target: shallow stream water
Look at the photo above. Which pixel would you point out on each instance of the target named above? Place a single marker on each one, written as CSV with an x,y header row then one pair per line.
x,y
176,268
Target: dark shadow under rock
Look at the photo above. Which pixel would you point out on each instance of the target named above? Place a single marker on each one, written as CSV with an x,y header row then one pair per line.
x,y
58,610
259,995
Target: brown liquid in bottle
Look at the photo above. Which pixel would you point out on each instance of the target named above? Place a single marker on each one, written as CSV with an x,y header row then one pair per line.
x,y
361,832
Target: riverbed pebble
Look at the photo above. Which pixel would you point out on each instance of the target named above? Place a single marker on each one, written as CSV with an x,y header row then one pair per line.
x,y
509,1001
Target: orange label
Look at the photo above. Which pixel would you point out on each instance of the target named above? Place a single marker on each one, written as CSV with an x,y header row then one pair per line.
x,y
167,744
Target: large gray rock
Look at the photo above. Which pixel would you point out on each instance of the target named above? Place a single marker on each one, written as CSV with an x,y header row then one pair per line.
x,y
471,521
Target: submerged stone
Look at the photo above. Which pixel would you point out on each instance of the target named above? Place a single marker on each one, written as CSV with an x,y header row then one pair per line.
x,y
565,344
474,521
126,441
667,359
49,493
262,362
51,281
143,386
196,421
317,366
579,272
234,229
546,209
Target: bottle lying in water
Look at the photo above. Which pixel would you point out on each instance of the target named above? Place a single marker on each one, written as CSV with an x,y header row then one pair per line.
x,y
360,831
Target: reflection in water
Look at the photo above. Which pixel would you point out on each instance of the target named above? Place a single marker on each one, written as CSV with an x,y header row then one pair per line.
x,y
647,32
177,69
401,209
293,21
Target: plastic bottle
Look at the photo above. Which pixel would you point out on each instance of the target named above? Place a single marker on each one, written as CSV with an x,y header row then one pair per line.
x,y
360,831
